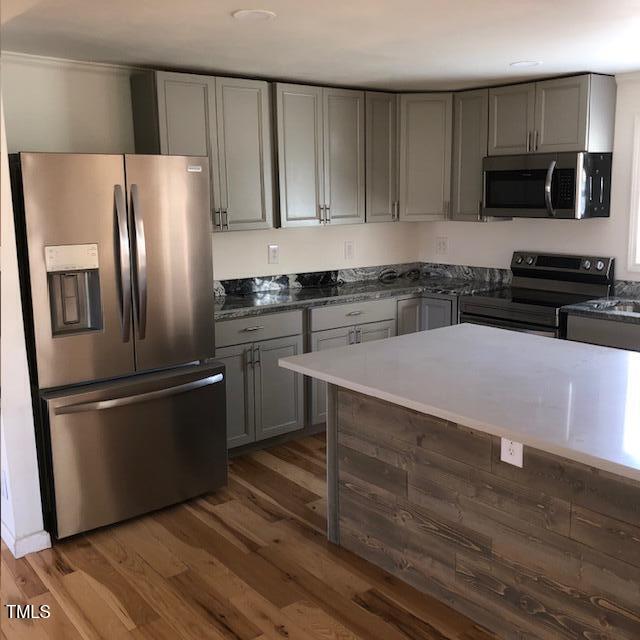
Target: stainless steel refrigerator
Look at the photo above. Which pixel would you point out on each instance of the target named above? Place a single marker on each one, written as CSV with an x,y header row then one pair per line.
x,y
117,289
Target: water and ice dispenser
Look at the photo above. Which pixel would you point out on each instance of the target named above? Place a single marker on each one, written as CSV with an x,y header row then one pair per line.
x,y
74,288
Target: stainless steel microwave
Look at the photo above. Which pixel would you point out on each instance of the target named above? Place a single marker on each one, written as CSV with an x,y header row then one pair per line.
x,y
547,185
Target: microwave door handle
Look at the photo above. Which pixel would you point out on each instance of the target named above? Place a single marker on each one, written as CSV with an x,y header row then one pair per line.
x,y
124,260
140,262
547,189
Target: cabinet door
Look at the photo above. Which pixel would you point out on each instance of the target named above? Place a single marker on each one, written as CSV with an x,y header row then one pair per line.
x,y
381,156
321,341
437,313
425,156
376,331
470,138
244,150
300,149
187,120
344,193
240,398
409,315
279,393
511,119
561,114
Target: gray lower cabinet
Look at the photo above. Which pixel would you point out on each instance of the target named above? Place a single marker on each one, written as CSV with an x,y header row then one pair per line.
x,y
226,119
263,399
279,393
421,314
342,337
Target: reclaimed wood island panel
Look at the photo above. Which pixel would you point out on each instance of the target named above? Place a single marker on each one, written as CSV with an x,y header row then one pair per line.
x,y
416,485
551,550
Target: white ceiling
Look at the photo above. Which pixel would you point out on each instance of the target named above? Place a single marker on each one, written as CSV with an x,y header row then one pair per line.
x,y
406,44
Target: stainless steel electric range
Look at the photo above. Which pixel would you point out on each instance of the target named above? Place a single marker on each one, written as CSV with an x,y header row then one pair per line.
x,y
541,285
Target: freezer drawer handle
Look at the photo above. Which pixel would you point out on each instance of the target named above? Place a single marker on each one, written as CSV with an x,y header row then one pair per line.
x,y
140,263
125,263
141,397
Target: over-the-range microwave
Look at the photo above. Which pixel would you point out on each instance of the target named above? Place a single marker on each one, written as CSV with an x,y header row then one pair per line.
x,y
547,185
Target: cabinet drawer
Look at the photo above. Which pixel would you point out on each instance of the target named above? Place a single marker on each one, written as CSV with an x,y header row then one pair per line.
x,y
342,315
273,325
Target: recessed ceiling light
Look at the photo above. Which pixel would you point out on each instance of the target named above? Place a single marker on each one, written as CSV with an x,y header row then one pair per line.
x,y
253,15
521,64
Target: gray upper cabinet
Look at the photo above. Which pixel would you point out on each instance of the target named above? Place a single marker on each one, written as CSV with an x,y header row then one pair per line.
x,y
344,192
470,140
425,156
511,118
321,155
575,114
279,393
381,156
239,377
560,115
244,153
226,119
300,154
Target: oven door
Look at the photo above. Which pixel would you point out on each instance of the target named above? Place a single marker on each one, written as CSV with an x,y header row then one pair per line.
x,y
512,325
541,186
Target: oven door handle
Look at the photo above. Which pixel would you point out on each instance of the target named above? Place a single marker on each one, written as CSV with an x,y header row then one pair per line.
x,y
547,189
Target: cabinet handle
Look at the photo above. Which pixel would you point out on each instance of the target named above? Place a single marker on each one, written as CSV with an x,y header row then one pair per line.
x,y
217,219
529,141
327,214
358,336
225,219
254,328
352,336
447,205
321,209
248,356
535,142
256,357
354,313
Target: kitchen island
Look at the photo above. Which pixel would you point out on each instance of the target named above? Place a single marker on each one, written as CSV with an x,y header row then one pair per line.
x,y
416,484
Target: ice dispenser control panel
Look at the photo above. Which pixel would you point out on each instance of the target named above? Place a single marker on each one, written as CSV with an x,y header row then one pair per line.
x,y
74,288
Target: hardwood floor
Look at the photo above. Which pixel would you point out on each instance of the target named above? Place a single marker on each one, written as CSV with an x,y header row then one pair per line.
x,y
250,561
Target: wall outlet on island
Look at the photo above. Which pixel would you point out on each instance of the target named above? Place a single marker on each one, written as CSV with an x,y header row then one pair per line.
x,y
442,245
511,452
273,254
349,250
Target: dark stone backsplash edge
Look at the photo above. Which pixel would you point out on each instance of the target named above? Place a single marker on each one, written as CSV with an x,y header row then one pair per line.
x,y
336,277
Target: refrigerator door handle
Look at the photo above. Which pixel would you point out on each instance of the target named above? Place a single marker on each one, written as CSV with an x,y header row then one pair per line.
x,y
140,397
140,248
125,261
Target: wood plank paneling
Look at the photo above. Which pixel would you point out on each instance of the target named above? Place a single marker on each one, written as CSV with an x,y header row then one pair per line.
x,y
551,550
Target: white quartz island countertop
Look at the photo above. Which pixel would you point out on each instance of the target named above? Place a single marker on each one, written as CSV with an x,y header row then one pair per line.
x,y
575,400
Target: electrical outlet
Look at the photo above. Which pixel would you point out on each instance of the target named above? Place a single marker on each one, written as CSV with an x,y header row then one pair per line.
x,y
273,254
511,452
349,250
442,245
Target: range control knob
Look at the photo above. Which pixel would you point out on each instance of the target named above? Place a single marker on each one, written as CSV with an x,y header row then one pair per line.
x,y
599,265
587,264
530,260
518,259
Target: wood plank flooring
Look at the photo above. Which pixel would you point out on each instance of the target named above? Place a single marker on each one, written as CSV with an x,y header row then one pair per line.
x,y
250,561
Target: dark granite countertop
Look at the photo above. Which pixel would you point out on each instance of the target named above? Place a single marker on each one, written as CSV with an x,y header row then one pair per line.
x,y
616,309
232,306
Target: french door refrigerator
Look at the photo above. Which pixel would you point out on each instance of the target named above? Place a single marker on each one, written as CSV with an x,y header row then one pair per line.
x,y
117,288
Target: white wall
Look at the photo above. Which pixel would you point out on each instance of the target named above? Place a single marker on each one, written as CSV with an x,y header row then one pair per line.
x,y
491,244
22,524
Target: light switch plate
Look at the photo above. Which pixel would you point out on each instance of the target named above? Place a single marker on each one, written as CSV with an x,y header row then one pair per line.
x,y
273,254
349,250
511,452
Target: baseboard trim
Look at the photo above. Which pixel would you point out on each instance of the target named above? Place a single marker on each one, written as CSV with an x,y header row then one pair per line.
x,y
26,544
